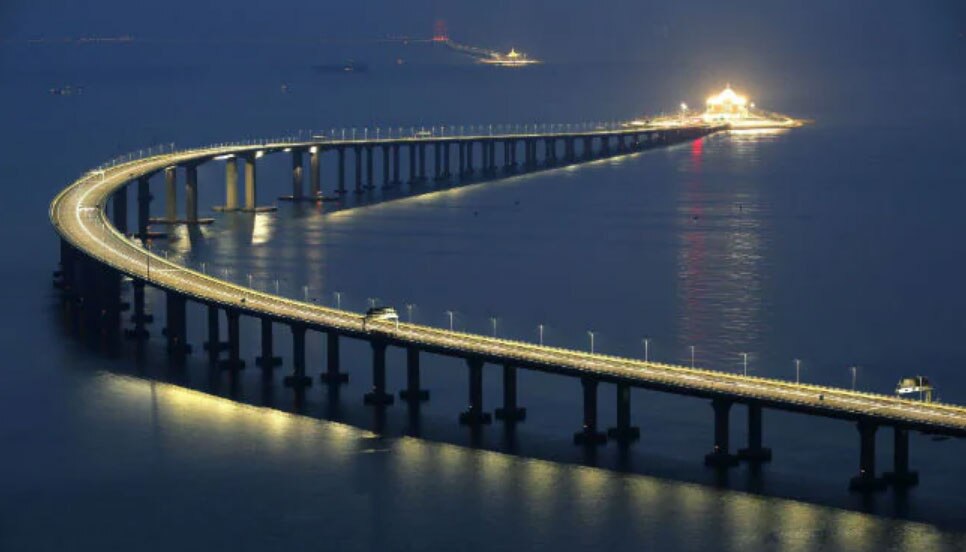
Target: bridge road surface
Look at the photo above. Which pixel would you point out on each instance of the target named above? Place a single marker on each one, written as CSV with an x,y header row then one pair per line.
x,y
79,216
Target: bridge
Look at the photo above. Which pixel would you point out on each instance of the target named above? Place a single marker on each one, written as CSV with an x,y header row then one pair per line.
x,y
97,250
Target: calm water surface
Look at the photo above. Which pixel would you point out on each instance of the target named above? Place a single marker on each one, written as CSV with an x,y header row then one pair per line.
x,y
839,244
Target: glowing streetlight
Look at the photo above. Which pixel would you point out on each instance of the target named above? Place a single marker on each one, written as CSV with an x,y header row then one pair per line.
x,y
540,333
692,357
305,293
855,370
409,312
449,313
493,323
647,344
591,334
338,298
744,361
798,371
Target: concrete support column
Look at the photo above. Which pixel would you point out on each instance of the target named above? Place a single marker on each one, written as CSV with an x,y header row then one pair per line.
x,y
231,184
298,379
510,412
357,150
588,434
437,161
395,165
866,479
214,344
588,147
234,361
251,185
624,432
378,396
370,182
422,162
412,392
267,360
144,207
447,170
548,153
341,152
297,175
513,154
901,476
720,455
474,414
119,203
315,172
469,158
412,163
332,375
385,166
171,194
754,453
140,316
176,319
191,193
462,158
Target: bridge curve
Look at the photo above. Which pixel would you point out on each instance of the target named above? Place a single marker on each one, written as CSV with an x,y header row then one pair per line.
x,y
93,247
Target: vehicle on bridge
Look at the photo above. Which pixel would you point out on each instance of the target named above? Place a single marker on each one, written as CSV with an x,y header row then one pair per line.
x,y
379,313
917,388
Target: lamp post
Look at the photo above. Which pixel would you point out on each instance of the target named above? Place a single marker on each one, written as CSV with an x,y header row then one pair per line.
x,y
409,312
798,371
338,298
744,361
449,313
591,334
493,323
540,333
647,343
855,370
692,357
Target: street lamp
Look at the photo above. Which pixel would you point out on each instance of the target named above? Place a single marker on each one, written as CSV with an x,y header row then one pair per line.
x,y
798,371
540,333
338,298
854,370
409,312
745,363
692,357
647,343
493,322
305,292
449,313
372,302
591,334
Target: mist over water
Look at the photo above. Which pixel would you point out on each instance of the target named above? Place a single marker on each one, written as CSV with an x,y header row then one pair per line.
x,y
839,244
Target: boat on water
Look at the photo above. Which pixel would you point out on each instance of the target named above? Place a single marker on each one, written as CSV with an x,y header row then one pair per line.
x,y
512,58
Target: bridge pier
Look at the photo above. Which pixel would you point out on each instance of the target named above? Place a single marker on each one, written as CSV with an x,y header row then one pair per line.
x,y
234,361
510,412
170,195
474,415
176,320
588,434
341,154
754,452
866,479
119,204
437,161
422,162
332,375
396,181
370,179
357,153
469,158
144,208
267,360
251,185
140,318
378,395
462,158
720,456
412,392
231,185
385,166
624,432
412,163
446,165
214,345
298,177
315,173
901,476
588,152
298,379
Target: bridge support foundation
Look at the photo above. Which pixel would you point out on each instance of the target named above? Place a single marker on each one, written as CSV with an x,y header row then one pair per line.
x,y
370,182
396,181
231,186
754,452
412,163
251,186
357,151
624,432
315,173
588,434
298,379
378,396
474,415
234,361
412,392
720,456
140,318
385,166
510,412
267,360
332,375
214,345
901,476
340,151
866,479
